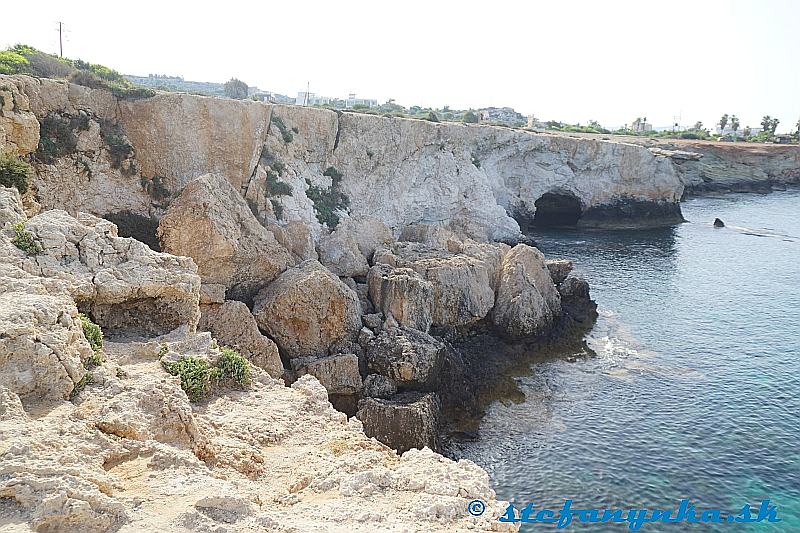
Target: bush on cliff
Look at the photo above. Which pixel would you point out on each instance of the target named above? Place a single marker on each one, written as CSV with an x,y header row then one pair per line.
x,y
14,172
234,367
196,376
327,202
24,240
94,336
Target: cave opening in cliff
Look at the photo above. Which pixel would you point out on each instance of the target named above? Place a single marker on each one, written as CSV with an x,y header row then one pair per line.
x,y
554,210
139,227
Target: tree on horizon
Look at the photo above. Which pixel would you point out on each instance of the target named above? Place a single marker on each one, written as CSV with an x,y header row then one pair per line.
x,y
235,88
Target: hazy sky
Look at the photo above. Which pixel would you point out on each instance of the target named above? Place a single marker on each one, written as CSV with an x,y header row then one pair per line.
x,y
565,60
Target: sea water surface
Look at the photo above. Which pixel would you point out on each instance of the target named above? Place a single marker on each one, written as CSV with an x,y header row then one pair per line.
x,y
694,391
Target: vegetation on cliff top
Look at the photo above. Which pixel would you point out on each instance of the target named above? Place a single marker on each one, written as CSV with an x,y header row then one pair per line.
x,y
24,59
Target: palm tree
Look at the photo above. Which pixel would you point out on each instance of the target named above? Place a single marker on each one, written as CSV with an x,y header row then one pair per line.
x,y
766,123
723,121
734,123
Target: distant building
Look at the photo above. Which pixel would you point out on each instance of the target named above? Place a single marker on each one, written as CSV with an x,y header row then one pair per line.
x,y
502,115
641,126
311,99
738,133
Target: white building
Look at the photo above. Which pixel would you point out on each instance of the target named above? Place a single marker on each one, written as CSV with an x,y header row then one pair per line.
x,y
738,133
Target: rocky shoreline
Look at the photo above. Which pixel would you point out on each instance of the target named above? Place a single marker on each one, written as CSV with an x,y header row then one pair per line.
x,y
251,268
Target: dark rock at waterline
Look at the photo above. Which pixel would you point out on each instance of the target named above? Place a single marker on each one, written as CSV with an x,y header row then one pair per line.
x,y
407,420
559,269
718,223
631,213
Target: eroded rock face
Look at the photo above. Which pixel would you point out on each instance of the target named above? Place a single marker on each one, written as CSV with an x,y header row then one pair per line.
x,y
42,347
11,211
407,420
403,294
122,283
412,359
527,301
211,223
232,325
462,284
307,310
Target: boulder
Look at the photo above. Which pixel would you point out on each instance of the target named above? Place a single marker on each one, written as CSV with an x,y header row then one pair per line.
x,y
378,386
574,287
232,325
297,238
122,283
340,254
559,269
527,301
337,373
211,223
411,358
403,294
407,420
432,235
307,310
349,248
42,347
462,284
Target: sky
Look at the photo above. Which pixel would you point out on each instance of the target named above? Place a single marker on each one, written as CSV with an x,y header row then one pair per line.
x,y
566,60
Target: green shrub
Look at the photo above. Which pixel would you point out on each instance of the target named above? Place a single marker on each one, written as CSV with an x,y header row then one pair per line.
x,y
87,379
234,367
285,133
327,202
277,208
12,62
196,376
432,117
93,334
24,240
42,64
56,138
275,187
333,174
470,118
118,147
14,172
132,93
87,79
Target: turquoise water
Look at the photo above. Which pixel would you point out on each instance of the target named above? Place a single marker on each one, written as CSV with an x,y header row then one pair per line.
x,y
694,391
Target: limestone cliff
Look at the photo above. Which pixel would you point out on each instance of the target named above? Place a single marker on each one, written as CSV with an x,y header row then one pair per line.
x,y
293,163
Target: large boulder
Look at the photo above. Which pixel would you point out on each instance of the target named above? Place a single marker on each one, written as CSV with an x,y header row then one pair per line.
x,y
337,373
42,347
340,254
403,294
462,284
412,359
121,282
407,420
348,250
307,310
527,301
211,223
232,325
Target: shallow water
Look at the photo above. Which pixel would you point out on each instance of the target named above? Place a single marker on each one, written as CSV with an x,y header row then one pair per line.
x,y
694,391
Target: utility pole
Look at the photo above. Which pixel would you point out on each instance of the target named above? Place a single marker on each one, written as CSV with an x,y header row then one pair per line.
x,y
308,87
60,40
